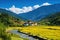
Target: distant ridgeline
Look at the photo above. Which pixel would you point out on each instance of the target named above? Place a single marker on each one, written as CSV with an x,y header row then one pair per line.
x,y
53,19
9,20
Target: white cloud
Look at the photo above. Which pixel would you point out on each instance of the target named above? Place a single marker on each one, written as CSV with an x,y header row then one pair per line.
x,y
27,9
16,10
45,4
36,6
23,9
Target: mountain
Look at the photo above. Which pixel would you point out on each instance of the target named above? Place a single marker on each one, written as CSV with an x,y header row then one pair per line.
x,y
53,19
10,13
41,12
9,18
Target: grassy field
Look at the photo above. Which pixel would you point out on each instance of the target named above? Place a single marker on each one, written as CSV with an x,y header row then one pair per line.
x,y
16,37
46,32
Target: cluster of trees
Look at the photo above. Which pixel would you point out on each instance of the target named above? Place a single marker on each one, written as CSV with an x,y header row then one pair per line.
x,y
3,34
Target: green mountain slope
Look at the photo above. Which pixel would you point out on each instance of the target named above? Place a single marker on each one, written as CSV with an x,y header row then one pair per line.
x,y
9,20
53,19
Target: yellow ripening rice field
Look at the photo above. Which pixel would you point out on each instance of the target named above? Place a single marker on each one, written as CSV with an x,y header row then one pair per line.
x,y
46,32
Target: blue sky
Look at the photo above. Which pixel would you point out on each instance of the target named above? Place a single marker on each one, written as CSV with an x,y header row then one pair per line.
x,y
21,3
23,6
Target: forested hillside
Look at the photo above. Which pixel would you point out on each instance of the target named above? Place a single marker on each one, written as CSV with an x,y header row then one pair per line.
x,y
53,19
9,20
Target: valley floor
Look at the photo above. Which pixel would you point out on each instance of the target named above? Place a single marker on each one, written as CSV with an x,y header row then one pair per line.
x,y
46,32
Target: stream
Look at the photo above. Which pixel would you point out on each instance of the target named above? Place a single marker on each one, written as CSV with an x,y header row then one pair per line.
x,y
22,35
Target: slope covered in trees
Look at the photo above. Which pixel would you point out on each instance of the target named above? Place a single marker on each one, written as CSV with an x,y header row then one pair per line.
x,y
9,20
53,19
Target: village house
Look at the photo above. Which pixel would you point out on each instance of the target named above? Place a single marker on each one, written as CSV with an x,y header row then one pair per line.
x,y
30,23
